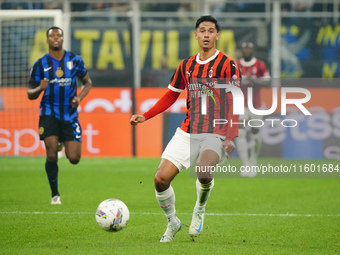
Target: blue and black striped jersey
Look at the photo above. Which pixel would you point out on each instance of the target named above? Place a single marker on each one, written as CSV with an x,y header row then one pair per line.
x,y
62,88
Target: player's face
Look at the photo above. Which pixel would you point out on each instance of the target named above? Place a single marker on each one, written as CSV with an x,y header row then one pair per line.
x,y
247,52
206,34
55,39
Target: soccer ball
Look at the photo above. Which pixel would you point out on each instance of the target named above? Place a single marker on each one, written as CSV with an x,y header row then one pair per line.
x,y
112,215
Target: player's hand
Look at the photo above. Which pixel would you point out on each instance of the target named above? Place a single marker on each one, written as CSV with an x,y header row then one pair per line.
x,y
228,146
135,119
75,102
44,84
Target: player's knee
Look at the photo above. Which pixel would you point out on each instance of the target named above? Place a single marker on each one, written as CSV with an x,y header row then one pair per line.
x,y
158,180
205,180
204,177
74,159
161,183
52,156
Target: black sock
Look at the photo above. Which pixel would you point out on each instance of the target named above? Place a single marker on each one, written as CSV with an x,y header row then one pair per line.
x,y
52,175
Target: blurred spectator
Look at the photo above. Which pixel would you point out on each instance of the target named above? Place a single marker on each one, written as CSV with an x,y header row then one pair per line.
x,y
17,5
51,5
14,5
118,8
244,7
301,5
111,10
217,8
183,11
79,7
159,7
98,7
157,78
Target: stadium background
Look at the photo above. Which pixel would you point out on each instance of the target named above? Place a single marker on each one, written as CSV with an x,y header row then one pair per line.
x,y
300,48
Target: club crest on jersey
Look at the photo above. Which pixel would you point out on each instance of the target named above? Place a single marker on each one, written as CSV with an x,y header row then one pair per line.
x,y
59,72
69,65
211,72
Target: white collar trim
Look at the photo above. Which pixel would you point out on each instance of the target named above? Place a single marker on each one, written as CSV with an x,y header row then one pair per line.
x,y
247,63
202,62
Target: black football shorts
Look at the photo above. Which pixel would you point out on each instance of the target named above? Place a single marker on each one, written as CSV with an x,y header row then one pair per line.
x,y
65,130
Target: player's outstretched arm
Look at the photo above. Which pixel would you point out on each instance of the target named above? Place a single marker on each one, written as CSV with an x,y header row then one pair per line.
x,y
34,92
162,104
135,119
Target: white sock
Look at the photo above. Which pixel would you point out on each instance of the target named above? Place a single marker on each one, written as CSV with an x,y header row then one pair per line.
x,y
166,200
203,193
255,150
242,146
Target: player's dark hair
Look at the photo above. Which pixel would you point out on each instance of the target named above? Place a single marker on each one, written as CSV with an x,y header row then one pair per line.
x,y
54,27
209,19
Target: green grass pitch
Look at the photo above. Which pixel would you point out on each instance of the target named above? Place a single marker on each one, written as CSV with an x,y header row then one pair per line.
x,y
244,216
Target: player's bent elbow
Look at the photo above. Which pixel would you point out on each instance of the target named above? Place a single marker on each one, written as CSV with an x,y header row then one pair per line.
x,y
31,96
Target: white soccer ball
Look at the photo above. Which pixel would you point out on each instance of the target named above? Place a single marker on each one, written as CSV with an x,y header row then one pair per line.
x,y
112,215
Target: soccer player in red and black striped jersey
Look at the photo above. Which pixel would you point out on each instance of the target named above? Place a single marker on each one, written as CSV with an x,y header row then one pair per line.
x,y
56,74
198,138
254,75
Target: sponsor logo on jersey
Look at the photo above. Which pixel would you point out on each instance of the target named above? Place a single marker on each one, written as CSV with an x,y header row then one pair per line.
x,y
62,82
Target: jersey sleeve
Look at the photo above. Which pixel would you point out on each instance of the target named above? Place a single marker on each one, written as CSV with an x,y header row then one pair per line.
x,y
177,83
264,73
81,69
36,74
162,104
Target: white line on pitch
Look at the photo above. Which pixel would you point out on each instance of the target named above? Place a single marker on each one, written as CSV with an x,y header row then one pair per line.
x,y
212,214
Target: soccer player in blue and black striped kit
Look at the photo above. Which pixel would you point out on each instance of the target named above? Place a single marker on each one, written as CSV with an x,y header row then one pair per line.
x,y
56,74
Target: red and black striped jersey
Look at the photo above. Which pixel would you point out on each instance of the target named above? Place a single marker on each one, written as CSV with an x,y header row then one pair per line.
x,y
199,78
257,69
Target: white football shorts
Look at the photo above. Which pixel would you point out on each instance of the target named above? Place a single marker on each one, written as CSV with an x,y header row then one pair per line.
x,y
183,148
